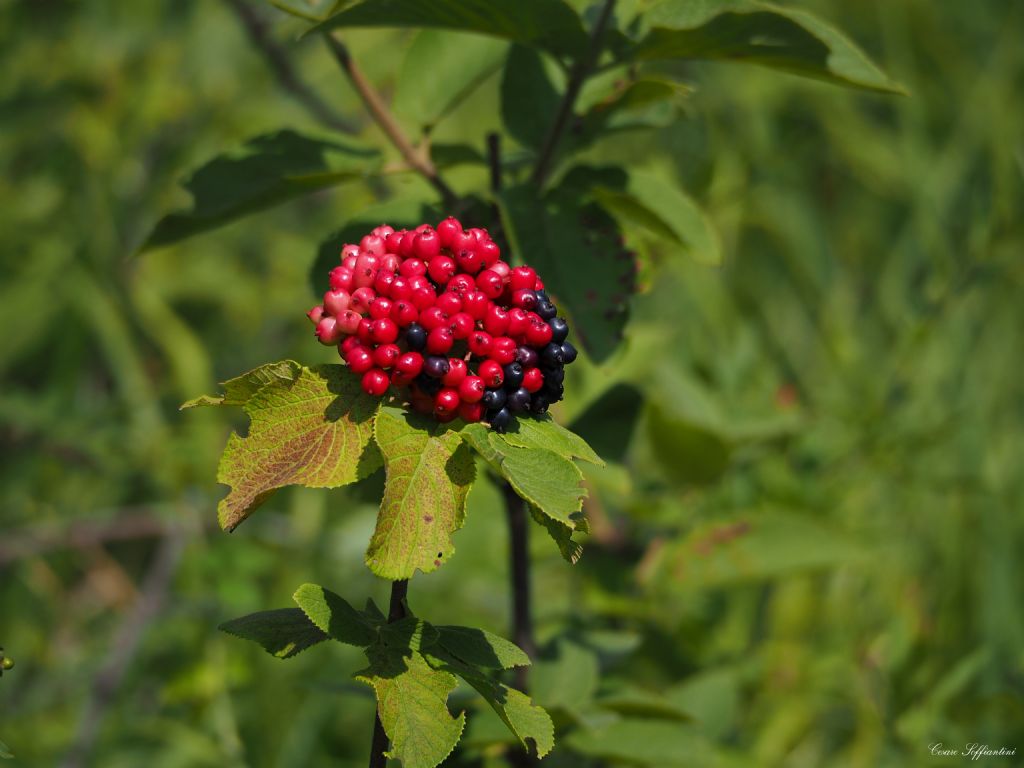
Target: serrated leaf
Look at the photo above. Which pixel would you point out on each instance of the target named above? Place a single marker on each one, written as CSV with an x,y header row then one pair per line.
x,y
754,32
543,432
530,724
239,389
314,431
409,634
548,24
481,649
440,70
333,615
541,477
283,633
562,239
412,703
428,473
268,170
529,99
561,533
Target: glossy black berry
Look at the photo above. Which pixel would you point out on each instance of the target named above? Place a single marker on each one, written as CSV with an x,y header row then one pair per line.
x,y
569,352
501,420
435,366
519,400
554,391
540,403
542,297
416,337
513,376
428,385
493,399
559,329
554,375
552,355
527,357
546,310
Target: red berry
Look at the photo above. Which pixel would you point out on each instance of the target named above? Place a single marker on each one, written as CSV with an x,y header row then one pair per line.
x,y
423,297
393,241
489,252
399,379
538,334
479,343
385,355
471,389
461,325
518,322
469,260
336,301
359,359
375,382
501,268
461,284
383,281
490,283
404,313
496,322
420,281
341,279
490,371
363,330
522,278
446,402
503,350
361,299
475,303
365,271
441,269
439,340
524,298
412,267
349,254
450,303
349,321
327,331
479,235
372,244
457,371
315,314
471,412
347,344
410,364
533,379
390,262
426,245
400,289
383,331
380,307
448,230
433,317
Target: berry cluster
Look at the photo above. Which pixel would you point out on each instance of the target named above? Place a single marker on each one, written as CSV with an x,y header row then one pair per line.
x,y
438,314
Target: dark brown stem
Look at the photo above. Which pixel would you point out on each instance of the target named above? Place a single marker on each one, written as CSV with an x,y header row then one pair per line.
x,y
396,611
519,572
280,64
578,76
417,157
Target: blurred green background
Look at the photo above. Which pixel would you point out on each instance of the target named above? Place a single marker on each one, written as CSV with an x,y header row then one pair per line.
x,y
805,550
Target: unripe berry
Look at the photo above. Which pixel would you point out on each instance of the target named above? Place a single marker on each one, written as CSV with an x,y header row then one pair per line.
x,y
471,389
503,350
446,402
461,284
427,245
327,331
522,278
384,331
457,371
441,269
440,340
433,317
475,303
380,307
496,322
359,359
490,371
361,299
341,279
448,230
375,382
348,321
386,355
409,364
315,314
479,343
533,380
470,412
461,325
490,283
538,334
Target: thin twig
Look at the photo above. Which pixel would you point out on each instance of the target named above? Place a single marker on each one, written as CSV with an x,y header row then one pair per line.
x,y
280,64
417,157
519,571
396,611
124,647
580,72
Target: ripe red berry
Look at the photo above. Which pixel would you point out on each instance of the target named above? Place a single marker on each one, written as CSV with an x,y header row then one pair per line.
x,y
404,313
449,302
490,371
361,298
518,322
522,278
385,355
380,307
475,303
375,382
433,317
441,269
469,259
471,389
347,344
446,402
420,281
412,267
348,321
503,350
399,379
502,268
496,322
393,241
410,364
479,343
372,244
440,340
489,252
538,334
423,297
525,298
359,359
336,301
471,412
461,284
533,380
389,262
490,283
383,281
349,254
327,331
461,325
457,370
341,279
426,245
400,289
448,230
383,331
315,314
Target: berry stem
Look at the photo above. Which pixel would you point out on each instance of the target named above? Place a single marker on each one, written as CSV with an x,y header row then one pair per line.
x,y
580,71
396,611
417,157
519,570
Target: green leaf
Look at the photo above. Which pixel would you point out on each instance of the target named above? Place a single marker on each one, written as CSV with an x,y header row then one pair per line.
x,y
5,752
282,633
428,473
315,430
529,99
562,239
412,703
609,422
645,742
481,649
561,533
440,70
548,24
269,170
333,615
543,478
745,30
238,390
636,702
688,451
566,676
645,103
543,432
527,722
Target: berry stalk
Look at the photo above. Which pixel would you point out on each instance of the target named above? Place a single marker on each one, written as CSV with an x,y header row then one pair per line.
x,y
396,610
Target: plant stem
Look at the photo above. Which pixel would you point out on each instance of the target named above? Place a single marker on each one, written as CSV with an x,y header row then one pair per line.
x,y
417,157
580,71
396,611
519,571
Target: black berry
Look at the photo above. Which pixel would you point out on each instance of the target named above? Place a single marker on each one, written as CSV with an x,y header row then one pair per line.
x,y
493,399
569,352
416,337
519,400
500,420
546,310
552,355
559,329
435,366
513,376
527,357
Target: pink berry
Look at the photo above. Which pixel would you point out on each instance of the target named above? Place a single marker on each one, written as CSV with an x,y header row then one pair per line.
x,y
315,314
501,268
361,299
349,321
327,331
372,244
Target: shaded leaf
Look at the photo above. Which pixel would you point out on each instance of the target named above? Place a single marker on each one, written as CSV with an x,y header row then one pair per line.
x,y
566,676
544,433
440,69
647,742
269,169
283,633
481,649
333,615
561,533
745,30
636,702
529,100
609,422
688,451
452,155
239,389
314,431
548,24
428,473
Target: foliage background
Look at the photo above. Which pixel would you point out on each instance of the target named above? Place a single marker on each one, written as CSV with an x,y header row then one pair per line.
x,y
807,540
